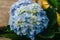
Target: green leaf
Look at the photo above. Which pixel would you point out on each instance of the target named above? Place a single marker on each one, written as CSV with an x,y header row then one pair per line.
x,y
14,36
58,10
59,29
47,33
50,31
51,14
53,3
8,35
47,36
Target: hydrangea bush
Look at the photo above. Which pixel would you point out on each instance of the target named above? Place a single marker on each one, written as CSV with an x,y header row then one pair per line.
x,y
27,18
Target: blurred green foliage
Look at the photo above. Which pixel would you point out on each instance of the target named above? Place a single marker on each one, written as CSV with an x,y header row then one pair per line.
x,y
53,3
58,6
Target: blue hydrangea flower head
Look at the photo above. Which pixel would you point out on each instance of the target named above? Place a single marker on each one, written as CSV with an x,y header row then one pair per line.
x,y
27,18
25,1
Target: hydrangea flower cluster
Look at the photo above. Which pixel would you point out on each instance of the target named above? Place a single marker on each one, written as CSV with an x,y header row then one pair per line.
x,y
27,18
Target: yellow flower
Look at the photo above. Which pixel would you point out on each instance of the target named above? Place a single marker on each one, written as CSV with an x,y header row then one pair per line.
x,y
58,18
44,4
